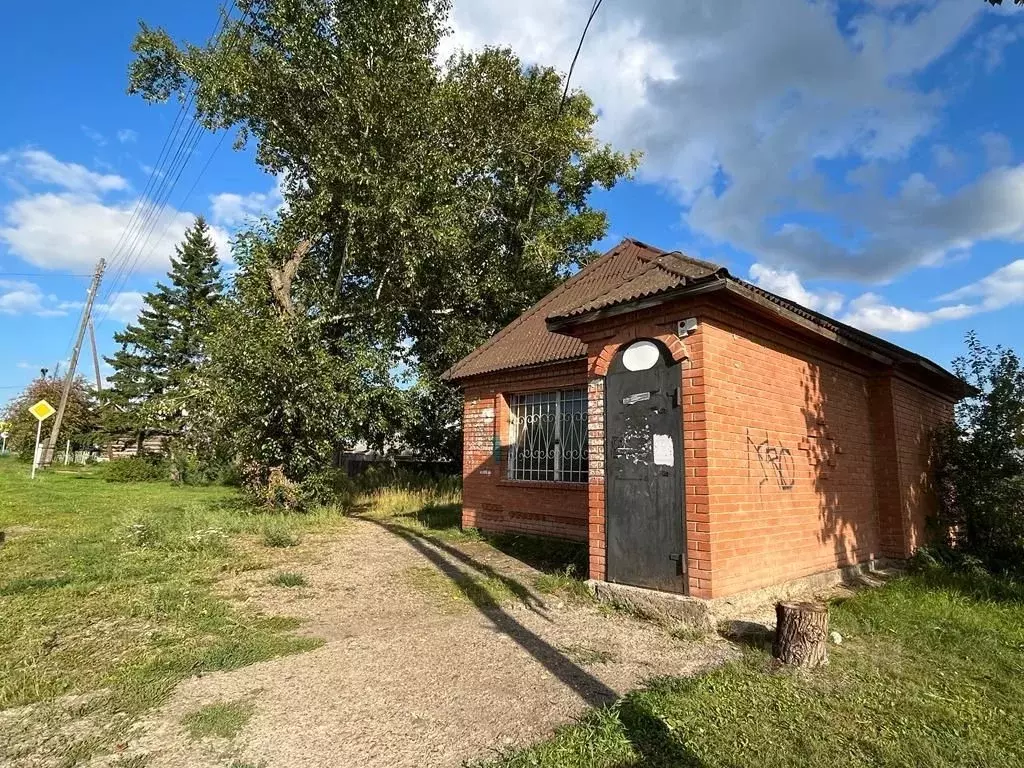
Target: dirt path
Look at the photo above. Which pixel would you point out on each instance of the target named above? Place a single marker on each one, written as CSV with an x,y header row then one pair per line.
x,y
436,653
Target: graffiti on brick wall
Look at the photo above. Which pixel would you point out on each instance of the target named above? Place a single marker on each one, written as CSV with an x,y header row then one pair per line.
x,y
774,462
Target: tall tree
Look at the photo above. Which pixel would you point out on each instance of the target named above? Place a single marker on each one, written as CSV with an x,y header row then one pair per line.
x,y
426,205
163,349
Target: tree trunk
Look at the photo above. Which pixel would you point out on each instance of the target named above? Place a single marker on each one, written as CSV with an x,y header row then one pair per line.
x,y
801,634
281,277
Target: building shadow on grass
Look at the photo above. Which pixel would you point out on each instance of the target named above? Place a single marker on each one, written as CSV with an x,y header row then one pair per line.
x,y
655,745
542,554
589,688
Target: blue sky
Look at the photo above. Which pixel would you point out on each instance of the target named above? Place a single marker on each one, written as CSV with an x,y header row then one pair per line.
x,y
862,158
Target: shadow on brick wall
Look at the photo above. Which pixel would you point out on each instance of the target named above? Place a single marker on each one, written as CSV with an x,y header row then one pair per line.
x,y
839,447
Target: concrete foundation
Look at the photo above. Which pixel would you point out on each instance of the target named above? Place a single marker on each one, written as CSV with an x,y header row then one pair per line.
x,y
672,609
663,607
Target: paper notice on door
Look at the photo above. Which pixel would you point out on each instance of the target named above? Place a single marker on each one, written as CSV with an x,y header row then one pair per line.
x,y
639,397
663,450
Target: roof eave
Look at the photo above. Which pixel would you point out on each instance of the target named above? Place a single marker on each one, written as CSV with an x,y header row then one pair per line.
x,y
465,377
883,353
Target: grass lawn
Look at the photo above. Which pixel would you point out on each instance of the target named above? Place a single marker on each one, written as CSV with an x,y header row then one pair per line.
x,y
930,673
110,586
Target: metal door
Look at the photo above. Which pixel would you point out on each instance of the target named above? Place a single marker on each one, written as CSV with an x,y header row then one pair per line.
x,y
644,469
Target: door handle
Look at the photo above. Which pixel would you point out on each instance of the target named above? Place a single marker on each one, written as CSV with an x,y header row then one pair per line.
x,y
679,561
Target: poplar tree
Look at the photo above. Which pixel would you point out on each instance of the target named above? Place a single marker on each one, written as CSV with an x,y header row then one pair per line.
x,y
426,205
163,349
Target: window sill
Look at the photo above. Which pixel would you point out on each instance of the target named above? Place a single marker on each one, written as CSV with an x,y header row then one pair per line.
x,y
548,484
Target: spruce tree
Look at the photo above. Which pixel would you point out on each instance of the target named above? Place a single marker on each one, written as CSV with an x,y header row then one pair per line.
x,y
164,347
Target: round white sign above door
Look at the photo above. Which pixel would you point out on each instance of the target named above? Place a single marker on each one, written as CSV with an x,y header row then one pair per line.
x,y
641,356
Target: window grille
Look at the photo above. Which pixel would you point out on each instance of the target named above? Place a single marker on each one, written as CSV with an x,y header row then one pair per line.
x,y
548,434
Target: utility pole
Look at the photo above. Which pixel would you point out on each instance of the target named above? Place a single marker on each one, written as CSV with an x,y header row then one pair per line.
x,y
95,357
69,378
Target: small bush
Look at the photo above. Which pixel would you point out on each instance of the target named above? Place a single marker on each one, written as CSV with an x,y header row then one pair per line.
x,y
565,582
332,487
279,536
136,469
286,579
179,533
189,468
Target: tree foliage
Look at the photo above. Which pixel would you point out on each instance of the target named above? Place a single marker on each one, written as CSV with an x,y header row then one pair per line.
x,y
980,460
80,415
426,205
164,348
274,392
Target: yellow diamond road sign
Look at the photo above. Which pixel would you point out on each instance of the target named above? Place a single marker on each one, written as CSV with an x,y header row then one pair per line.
x,y
42,410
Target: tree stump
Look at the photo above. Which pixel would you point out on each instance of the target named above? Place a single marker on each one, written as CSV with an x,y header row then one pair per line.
x,y
801,634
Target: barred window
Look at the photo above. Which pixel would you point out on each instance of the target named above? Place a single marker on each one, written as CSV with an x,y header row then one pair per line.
x,y
548,434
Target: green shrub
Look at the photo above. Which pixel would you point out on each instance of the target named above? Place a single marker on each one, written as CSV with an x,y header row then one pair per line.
x,y
275,535
979,463
136,469
332,487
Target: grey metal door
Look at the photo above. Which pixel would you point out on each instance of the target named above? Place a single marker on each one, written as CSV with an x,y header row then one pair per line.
x,y
644,470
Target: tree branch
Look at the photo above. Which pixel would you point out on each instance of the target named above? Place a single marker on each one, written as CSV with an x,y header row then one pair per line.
x,y
281,277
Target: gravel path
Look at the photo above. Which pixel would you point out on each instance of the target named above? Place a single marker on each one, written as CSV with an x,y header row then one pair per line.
x,y
421,665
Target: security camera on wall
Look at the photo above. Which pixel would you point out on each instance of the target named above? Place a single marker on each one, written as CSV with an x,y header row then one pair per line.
x,y
685,327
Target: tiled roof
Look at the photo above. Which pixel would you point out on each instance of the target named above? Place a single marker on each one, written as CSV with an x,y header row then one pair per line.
x,y
629,270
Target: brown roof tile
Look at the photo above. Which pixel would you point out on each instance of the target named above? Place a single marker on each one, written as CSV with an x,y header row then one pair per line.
x,y
629,270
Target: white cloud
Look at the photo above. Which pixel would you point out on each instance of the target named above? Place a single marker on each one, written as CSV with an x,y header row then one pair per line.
x,y
992,44
871,313
127,136
736,121
94,136
55,231
21,297
123,307
34,165
1000,289
232,210
944,156
788,284
74,227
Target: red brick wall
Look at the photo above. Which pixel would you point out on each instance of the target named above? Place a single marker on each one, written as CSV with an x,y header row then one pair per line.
x,y
492,502
886,468
917,412
791,457
800,457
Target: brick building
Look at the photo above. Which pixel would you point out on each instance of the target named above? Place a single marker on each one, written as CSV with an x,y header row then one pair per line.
x,y
705,436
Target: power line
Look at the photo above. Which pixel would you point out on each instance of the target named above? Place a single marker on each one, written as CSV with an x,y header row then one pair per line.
x,y
136,247
158,174
593,12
